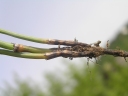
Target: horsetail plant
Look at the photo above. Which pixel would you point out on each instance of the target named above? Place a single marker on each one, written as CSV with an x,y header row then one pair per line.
x,y
71,49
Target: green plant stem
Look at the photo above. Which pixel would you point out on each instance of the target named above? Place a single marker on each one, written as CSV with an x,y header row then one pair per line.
x,y
29,38
44,41
36,50
6,45
23,55
10,46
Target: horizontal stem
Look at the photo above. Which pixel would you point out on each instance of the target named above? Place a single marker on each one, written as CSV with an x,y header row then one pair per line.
x,y
6,45
44,41
23,55
93,52
46,56
23,48
29,38
114,52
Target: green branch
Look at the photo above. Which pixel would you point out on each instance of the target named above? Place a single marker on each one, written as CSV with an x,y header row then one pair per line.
x,y
23,55
11,46
24,37
41,40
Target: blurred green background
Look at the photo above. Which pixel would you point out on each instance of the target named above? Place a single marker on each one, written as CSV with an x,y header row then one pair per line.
x,y
107,78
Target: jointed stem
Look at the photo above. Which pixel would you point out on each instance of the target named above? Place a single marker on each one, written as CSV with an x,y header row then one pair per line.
x,y
23,48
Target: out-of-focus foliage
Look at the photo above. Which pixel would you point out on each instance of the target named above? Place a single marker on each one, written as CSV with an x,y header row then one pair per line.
x,y
22,88
107,78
